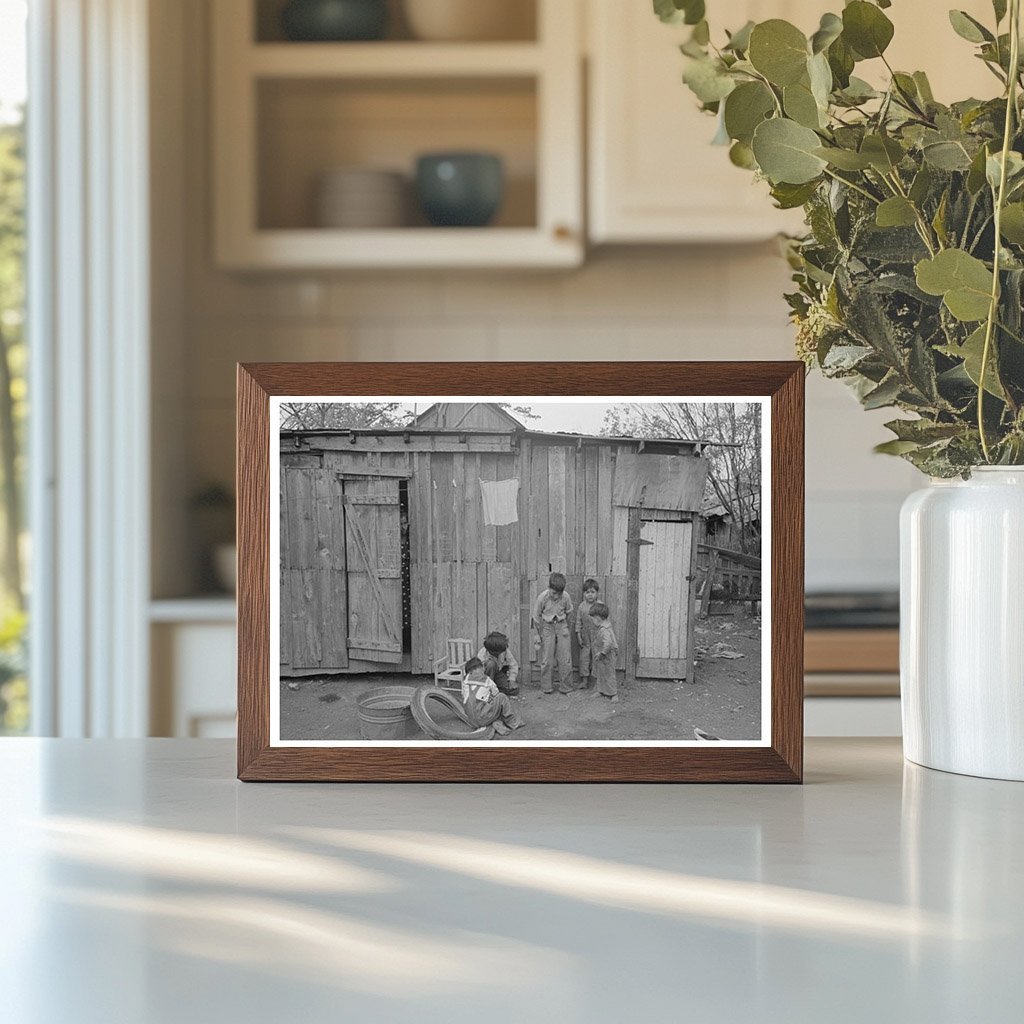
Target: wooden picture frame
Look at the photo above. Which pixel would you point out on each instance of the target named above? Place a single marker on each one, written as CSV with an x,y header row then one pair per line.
x,y
779,757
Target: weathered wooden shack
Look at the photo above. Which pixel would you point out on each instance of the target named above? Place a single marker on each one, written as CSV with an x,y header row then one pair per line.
x,y
394,540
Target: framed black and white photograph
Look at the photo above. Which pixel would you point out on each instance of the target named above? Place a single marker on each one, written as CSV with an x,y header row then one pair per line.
x,y
578,580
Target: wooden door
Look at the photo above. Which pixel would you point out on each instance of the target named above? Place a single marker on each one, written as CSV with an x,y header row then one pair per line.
x,y
373,538
313,620
663,604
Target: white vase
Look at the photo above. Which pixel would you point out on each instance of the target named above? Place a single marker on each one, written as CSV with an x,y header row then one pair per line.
x,y
962,624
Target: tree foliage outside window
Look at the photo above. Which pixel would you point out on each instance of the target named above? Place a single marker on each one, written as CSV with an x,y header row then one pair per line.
x,y
13,412
14,704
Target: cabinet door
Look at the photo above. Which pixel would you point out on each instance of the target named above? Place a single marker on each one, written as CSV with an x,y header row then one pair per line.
x,y
654,176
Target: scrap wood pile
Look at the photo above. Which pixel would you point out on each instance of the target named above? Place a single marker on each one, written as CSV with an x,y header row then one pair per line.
x,y
729,577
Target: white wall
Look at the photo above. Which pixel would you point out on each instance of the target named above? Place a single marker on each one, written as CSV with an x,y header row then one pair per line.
x,y
655,303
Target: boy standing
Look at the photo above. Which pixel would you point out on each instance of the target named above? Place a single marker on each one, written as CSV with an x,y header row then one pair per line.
x,y
551,613
585,630
484,704
499,663
606,649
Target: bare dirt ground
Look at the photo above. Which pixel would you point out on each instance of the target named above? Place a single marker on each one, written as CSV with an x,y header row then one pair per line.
x,y
724,699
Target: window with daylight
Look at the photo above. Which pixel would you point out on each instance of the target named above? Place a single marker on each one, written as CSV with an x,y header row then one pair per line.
x,y
14,547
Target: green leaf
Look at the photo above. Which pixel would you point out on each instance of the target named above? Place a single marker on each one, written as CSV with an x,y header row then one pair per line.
x,y
829,30
939,220
858,91
841,60
745,108
741,155
701,33
999,7
789,197
895,447
844,159
785,152
924,87
820,77
969,28
721,136
676,12
866,29
739,41
896,212
946,156
708,80
963,281
1014,169
800,105
921,185
923,431
976,173
1012,224
883,153
971,352
778,50
885,394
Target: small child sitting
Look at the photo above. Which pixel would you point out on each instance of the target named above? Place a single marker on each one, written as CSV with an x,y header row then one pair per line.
x,y
499,663
585,630
485,704
606,649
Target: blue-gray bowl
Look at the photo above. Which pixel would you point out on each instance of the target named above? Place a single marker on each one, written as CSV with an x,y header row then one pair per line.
x,y
460,189
332,21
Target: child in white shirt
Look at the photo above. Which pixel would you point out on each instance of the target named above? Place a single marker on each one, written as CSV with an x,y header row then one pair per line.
x,y
485,704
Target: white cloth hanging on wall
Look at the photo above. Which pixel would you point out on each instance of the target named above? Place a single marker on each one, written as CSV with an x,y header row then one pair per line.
x,y
501,501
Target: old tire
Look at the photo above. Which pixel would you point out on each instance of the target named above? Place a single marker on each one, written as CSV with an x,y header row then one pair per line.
x,y
438,730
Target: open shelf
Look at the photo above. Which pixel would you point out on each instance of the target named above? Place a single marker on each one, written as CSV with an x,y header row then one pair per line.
x,y
519,18
286,114
308,127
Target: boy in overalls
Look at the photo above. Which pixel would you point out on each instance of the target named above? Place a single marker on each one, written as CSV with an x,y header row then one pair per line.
x,y
551,613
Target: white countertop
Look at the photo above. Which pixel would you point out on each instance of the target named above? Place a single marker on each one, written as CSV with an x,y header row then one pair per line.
x,y
143,885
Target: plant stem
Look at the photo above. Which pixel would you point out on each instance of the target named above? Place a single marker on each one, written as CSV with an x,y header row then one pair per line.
x,y
854,186
993,309
923,228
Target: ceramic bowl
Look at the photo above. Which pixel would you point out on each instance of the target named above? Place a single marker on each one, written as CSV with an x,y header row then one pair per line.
x,y
468,20
460,189
334,20
358,197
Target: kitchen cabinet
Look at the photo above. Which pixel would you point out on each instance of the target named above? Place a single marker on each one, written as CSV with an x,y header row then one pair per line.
x,y
192,649
286,113
653,175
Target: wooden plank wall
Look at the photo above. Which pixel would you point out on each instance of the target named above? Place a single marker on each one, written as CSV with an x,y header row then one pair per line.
x,y
468,578
462,570
570,525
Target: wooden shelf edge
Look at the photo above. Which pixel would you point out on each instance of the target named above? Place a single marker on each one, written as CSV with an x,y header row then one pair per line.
x,y
392,60
310,249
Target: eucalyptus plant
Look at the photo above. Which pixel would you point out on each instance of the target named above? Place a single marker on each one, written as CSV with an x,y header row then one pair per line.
x,y
910,278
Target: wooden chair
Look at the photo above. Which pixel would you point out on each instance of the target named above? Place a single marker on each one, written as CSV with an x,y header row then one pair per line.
x,y
449,671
